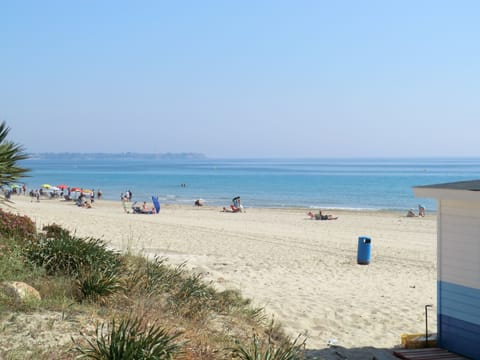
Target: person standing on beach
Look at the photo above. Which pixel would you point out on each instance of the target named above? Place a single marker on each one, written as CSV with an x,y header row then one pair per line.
x,y
124,203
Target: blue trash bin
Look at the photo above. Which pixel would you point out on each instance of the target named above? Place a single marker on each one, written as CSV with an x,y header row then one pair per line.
x,y
363,255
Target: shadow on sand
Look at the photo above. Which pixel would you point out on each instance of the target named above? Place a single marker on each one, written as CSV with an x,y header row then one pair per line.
x,y
341,353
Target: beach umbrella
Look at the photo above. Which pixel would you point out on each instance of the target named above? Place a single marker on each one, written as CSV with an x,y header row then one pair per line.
x,y
46,186
62,186
54,188
75,189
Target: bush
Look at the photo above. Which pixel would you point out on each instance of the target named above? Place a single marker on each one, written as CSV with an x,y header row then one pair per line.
x,y
55,231
192,297
69,255
160,276
258,350
12,264
15,226
152,277
97,285
130,340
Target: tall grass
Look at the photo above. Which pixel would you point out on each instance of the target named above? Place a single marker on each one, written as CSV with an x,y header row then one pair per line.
x,y
150,277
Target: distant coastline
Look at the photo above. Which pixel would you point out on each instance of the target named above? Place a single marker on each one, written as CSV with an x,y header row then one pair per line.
x,y
373,184
115,156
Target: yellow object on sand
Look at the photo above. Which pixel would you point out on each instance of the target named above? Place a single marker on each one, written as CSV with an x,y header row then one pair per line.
x,y
418,341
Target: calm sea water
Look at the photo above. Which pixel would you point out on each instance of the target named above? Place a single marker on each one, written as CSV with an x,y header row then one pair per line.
x,y
373,184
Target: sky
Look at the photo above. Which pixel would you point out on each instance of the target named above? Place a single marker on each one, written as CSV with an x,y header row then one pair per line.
x,y
242,79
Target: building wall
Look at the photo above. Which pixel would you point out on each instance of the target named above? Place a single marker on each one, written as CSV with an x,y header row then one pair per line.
x,y
459,277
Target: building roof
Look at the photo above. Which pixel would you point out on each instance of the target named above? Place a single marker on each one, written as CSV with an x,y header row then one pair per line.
x,y
471,185
460,190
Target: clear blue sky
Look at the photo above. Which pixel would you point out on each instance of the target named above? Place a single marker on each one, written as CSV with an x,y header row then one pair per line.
x,y
243,78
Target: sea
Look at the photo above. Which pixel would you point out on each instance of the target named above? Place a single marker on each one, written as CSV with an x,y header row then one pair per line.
x,y
373,184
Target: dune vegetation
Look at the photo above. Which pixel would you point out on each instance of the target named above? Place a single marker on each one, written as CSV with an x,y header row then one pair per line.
x,y
97,303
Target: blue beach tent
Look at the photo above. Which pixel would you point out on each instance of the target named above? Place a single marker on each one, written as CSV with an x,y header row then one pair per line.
x,y
156,203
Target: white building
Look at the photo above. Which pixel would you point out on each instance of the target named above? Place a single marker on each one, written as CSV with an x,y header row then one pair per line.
x,y
458,264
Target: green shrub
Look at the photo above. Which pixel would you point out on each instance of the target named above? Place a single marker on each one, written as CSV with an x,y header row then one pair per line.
x,y
151,277
55,231
98,285
269,350
18,227
130,340
12,265
193,288
192,297
162,277
69,255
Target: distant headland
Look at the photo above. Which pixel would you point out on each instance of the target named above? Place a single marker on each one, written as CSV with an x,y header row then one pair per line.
x,y
111,156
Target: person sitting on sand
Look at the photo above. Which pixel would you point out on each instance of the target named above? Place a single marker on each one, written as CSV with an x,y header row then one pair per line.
x,y
321,216
236,206
327,216
232,209
144,209
421,210
410,213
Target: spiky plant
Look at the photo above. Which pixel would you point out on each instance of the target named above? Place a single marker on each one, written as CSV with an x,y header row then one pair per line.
x,y
269,350
130,339
98,285
10,154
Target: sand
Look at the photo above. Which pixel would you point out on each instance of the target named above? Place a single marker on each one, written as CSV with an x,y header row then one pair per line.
x,y
303,272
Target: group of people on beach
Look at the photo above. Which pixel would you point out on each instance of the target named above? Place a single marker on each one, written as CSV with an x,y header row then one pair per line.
x,y
143,209
8,191
236,206
421,211
82,201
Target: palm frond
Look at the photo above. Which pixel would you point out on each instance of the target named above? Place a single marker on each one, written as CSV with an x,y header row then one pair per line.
x,y
10,154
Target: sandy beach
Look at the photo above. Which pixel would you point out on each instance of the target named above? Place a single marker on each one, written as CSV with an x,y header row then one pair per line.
x,y
303,272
